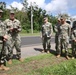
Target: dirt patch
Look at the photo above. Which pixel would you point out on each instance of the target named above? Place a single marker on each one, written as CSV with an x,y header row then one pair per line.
x,y
34,65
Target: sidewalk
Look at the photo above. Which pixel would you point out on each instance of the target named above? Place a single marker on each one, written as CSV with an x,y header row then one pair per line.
x,y
29,51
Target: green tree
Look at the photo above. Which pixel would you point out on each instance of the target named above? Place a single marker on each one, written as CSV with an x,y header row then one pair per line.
x,y
2,5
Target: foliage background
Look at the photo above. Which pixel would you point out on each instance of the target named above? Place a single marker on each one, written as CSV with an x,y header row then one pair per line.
x,y
24,16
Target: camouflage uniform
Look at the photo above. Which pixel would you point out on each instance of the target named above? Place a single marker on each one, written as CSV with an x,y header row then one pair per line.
x,y
46,35
73,42
14,36
65,30
2,43
57,38
3,39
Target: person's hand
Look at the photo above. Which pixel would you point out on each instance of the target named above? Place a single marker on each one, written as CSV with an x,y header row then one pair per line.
x,y
5,37
41,36
75,40
50,35
11,29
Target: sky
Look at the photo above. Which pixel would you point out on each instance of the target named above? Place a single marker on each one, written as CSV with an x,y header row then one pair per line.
x,y
51,6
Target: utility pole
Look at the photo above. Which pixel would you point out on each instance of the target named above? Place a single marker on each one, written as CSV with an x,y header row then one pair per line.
x,y
31,19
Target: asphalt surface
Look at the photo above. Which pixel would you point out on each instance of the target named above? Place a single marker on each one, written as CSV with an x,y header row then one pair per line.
x,y
31,46
32,40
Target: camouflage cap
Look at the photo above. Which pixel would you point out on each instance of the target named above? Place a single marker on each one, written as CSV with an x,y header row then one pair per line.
x,y
45,18
1,10
62,17
12,12
58,19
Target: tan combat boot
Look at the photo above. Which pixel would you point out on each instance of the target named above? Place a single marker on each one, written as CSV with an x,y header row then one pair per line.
x,y
0,67
67,57
43,51
21,60
48,52
4,68
58,56
73,58
10,61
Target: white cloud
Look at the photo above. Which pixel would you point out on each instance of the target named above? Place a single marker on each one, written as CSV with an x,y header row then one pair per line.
x,y
57,6
71,3
74,16
40,3
54,6
16,5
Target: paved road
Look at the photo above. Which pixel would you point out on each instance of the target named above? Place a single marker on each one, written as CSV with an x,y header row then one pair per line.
x,y
32,40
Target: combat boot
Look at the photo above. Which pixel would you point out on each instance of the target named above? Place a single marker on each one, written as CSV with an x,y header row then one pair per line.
x,y
48,52
42,51
4,68
67,57
73,58
58,56
10,61
0,68
21,60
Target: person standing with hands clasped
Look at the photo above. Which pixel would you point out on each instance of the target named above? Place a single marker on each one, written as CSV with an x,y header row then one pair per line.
x,y
13,29
65,31
46,35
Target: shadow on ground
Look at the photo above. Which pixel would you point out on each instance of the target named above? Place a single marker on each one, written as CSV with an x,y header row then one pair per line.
x,y
38,49
14,57
51,51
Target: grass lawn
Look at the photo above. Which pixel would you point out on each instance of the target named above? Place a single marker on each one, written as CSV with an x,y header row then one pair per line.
x,y
44,64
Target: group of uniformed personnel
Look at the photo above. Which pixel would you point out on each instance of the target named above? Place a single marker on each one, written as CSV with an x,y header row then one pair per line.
x,y
63,33
9,38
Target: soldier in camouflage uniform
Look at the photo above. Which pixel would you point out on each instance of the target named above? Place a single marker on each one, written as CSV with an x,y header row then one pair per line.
x,y
46,35
73,41
57,37
65,30
13,29
3,39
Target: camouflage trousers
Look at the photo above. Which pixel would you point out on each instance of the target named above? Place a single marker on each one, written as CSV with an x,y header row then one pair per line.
x,y
73,48
64,45
16,42
46,43
2,53
61,44
57,45
9,48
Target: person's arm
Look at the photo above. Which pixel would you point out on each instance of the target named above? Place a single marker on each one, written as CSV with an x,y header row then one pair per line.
x,y
69,30
4,32
41,31
72,36
55,28
51,28
9,28
19,26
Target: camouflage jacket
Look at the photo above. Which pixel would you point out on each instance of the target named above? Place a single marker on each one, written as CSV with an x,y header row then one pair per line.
x,y
15,24
2,29
57,29
74,34
47,29
65,30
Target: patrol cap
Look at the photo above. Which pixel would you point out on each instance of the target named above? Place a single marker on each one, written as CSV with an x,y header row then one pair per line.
x,y
45,18
58,19
1,11
12,12
62,17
